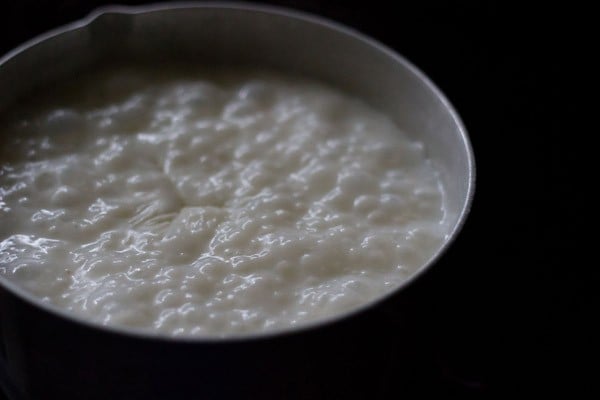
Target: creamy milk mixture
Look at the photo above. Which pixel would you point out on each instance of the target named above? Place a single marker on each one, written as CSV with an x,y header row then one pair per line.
x,y
210,204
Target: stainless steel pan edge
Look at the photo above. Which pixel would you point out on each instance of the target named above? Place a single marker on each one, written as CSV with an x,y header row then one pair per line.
x,y
412,112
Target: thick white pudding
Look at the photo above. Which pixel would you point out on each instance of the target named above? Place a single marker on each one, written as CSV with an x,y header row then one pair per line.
x,y
211,204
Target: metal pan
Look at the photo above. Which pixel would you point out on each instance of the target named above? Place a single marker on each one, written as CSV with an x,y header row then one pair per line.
x,y
46,353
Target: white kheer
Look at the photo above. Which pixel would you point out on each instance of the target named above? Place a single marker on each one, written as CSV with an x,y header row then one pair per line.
x,y
211,204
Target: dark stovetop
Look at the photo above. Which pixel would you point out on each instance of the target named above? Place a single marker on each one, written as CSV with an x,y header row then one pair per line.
x,y
489,314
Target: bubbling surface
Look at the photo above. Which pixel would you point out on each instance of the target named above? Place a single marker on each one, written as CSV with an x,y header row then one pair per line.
x,y
211,203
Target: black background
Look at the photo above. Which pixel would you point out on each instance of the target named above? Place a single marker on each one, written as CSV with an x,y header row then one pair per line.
x,y
510,308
